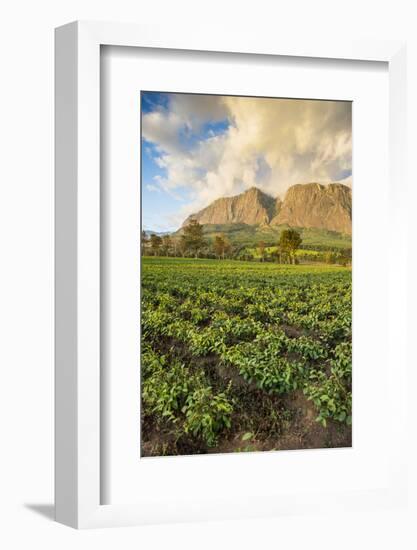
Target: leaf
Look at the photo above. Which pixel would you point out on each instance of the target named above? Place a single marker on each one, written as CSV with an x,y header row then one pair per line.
x,y
246,436
342,416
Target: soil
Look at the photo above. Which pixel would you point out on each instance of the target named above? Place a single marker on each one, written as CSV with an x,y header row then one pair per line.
x,y
275,422
294,428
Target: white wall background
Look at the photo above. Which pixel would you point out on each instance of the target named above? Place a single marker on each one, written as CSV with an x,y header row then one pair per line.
x,y
26,268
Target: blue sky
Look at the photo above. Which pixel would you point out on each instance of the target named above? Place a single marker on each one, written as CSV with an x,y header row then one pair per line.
x,y
159,206
196,148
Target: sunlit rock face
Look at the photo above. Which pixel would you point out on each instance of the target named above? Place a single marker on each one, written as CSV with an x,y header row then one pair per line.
x,y
252,207
310,205
316,205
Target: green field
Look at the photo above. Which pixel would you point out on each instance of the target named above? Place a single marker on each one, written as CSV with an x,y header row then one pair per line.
x,y
244,356
250,235
270,249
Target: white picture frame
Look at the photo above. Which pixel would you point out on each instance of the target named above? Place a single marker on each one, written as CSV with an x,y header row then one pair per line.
x,y
77,242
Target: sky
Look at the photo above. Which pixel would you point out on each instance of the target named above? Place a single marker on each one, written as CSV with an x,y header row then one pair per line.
x,y
196,148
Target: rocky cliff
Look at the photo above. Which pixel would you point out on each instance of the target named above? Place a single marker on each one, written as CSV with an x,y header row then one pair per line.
x,y
252,207
310,205
315,205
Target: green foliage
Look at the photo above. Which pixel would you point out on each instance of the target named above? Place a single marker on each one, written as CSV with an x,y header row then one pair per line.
x,y
172,392
261,249
331,394
207,414
250,242
156,243
263,362
221,246
165,386
289,241
192,239
250,235
272,328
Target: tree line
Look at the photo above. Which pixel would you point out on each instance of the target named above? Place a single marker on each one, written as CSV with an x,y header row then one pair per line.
x,y
191,243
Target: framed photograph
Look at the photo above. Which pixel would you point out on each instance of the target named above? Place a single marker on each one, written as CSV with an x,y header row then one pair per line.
x,y
246,276
228,328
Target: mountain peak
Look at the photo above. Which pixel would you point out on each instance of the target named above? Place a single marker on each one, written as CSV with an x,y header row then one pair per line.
x,y
314,205
305,205
252,207
253,191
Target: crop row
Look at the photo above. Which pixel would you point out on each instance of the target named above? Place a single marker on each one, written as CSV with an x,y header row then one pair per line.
x,y
278,330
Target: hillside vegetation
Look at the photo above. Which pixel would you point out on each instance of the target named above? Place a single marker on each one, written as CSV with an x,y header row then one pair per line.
x,y
250,235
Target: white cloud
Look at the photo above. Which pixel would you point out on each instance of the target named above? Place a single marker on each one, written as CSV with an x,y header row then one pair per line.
x,y
269,143
153,188
161,128
195,109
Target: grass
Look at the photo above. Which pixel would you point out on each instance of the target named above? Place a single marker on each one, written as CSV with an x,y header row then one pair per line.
x,y
228,266
269,249
250,235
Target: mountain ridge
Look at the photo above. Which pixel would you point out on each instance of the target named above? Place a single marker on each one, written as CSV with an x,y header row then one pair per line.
x,y
309,205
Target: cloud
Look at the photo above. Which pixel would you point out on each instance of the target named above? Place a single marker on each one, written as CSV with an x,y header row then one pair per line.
x,y
270,143
195,109
161,128
153,188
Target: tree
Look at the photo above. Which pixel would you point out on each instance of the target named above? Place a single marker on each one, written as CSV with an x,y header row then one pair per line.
x,y
156,243
346,256
330,257
227,246
182,247
192,238
166,244
144,240
218,246
175,246
289,241
221,246
261,248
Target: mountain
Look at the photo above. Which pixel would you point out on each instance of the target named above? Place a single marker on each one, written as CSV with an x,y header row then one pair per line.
x,y
316,205
148,233
310,205
252,207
